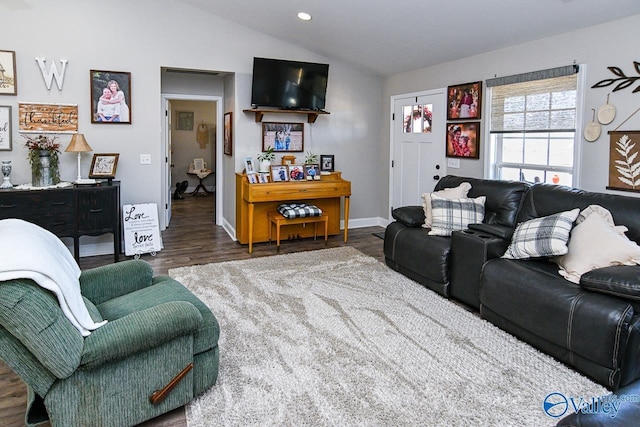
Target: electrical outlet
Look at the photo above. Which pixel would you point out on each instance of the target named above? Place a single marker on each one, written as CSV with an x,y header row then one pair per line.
x,y
145,159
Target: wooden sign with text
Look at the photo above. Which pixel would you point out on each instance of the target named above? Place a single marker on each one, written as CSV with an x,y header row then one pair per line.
x,y
47,118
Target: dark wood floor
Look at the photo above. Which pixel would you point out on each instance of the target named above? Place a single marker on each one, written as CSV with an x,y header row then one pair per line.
x,y
192,238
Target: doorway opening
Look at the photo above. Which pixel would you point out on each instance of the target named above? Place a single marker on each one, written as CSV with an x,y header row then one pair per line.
x,y
192,139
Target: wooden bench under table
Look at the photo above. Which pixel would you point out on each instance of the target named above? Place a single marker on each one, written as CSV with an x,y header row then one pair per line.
x,y
277,219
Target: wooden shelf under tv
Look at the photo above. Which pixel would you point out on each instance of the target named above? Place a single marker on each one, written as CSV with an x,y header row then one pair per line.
x,y
312,115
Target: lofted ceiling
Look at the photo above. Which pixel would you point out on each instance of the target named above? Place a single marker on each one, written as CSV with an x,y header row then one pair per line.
x,y
386,37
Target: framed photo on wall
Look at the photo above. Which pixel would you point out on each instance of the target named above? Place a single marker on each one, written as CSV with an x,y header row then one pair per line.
x,y
283,136
104,165
228,135
185,120
5,128
464,101
8,77
463,140
110,97
623,162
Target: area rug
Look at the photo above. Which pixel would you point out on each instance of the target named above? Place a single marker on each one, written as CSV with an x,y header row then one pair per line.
x,y
335,338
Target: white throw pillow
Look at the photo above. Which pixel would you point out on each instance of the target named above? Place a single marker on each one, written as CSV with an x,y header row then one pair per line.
x,y
448,193
542,237
596,243
455,214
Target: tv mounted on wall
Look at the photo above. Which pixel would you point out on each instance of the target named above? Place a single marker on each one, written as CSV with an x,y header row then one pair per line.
x,y
289,84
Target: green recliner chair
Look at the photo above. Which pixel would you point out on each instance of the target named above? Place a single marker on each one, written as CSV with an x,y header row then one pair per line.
x,y
158,350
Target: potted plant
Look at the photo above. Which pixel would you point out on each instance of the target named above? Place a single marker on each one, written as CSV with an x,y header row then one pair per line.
x,y
43,157
265,159
310,158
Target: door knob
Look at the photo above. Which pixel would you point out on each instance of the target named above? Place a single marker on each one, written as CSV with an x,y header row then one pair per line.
x,y
436,177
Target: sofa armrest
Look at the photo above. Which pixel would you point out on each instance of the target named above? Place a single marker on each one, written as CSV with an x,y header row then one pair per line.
x,y
501,231
104,283
411,216
470,249
622,281
138,332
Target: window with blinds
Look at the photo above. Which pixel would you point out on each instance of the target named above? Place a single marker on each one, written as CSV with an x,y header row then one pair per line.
x,y
533,125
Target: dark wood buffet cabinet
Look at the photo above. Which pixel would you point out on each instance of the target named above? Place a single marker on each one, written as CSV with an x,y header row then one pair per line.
x,y
68,211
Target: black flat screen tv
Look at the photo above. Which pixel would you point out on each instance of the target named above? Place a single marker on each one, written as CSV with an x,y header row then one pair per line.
x,y
289,84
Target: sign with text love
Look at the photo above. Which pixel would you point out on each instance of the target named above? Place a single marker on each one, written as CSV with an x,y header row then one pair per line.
x,y
47,118
141,230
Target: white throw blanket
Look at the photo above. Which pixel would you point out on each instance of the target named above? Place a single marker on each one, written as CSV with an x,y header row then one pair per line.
x,y
31,252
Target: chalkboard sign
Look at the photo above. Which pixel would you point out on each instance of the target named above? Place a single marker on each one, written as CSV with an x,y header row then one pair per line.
x,y
141,230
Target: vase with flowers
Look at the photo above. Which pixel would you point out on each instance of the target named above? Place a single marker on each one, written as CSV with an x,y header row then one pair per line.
x,y
43,157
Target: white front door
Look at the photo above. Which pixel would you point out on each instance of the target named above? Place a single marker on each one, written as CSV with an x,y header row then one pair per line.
x,y
418,132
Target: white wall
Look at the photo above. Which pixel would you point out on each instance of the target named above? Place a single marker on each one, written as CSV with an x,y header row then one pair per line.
x,y
147,35
598,47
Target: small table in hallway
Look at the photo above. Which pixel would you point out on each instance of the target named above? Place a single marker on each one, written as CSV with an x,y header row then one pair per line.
x,y
201,176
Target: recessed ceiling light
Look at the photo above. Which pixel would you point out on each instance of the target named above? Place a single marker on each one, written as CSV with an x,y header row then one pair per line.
x,y
304,16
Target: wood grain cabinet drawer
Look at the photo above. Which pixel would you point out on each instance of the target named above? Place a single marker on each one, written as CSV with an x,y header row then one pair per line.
x,y
96,211
53,211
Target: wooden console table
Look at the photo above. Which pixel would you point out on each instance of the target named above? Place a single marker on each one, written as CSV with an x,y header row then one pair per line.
x,y
254,201
68,211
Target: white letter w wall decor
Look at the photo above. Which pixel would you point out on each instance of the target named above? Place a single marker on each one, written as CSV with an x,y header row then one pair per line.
x,y
48,76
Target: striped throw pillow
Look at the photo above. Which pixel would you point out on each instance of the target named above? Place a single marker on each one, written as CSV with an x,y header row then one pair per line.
x,y
454,214
542,237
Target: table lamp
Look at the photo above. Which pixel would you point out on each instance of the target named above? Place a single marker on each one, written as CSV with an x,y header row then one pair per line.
x,y
79,145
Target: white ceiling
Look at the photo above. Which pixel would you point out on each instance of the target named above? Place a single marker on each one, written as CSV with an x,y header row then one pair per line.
x,y
387,37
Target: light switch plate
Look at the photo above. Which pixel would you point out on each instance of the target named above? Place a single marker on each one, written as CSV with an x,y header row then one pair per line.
x,y
145,159
453,163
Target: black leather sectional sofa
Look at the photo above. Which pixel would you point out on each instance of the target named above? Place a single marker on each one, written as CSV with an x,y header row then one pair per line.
x,y
593,326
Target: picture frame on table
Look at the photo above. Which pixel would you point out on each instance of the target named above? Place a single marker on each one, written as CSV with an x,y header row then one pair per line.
x,y
283,136
312,172
263,178
288,160
296,172
464,101
326,162
279,173
252,178
249,167
5,128
8,76
104,165
110,97
198,164
463,140
228,134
